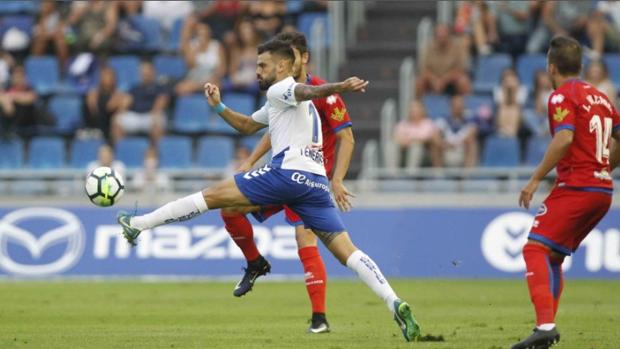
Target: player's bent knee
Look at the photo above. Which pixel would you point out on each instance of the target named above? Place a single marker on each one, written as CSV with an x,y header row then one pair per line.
x,y
224,194
339,244
305,237
238,210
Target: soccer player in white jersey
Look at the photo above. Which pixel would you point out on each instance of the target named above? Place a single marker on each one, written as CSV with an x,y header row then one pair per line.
x,y
295,176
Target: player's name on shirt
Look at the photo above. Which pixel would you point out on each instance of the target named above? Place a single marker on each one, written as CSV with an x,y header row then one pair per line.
x,y
597,100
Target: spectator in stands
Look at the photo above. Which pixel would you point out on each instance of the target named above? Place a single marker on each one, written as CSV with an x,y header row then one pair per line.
x,y
561,18
535,119
6,64
103,102
509,98
242,153
243,58
221,16
443,68
597,75
128,36
513,24
145,108
167,12
105,157
205,59
477,22
148,179
456,142
415,135
50,29
604,26
93,25
268,16
17,106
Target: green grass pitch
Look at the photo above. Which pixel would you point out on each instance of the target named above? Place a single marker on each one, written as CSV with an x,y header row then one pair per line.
x,y
467,313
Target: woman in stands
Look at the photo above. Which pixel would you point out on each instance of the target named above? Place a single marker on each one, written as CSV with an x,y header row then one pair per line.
x,y
243,58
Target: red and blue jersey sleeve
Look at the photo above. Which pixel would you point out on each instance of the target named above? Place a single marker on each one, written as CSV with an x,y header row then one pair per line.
x,y
616,119
335,112
562,113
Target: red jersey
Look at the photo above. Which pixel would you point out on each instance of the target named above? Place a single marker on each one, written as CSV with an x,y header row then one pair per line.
x,y
580,107
334,118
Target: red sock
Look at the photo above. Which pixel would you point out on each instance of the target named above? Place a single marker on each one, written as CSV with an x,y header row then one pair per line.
x,y
240,230
315,275
558,282
540,282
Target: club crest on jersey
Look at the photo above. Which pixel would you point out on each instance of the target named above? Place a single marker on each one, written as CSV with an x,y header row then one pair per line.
x,y
556,99
560,114
542,210
338,114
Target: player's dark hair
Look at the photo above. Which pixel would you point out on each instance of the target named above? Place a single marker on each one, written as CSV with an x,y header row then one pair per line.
x,y
277,47
565,53
295,39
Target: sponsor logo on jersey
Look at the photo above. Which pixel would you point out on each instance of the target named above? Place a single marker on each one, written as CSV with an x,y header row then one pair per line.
x,y
300,178
557,99
289,92
560,114
331,99
602,175
338,114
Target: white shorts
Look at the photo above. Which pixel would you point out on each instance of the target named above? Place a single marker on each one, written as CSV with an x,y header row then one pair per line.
x,y
131,121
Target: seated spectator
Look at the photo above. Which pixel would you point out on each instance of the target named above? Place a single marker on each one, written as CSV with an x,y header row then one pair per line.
x,y
145,108
597,75
513,25
50,29
477,22
604,26
103,102
167,12
17,106
414,135
148,179
456,143
509,98
205,59
221,16
93,25
242,153
443,65
268,16
243,58
105,157
535,119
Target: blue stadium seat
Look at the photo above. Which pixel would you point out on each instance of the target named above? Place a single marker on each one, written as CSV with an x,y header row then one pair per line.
x,y
242,102
536,148
151,31
437,106
83,151
131,151
175,152
489,70
215,152
170,67
612,61
12,154
191,114
42,73
306,21
474,102
174,41
500,152
46,153
250,142
528,65
127,68
17,6
67,111
294,6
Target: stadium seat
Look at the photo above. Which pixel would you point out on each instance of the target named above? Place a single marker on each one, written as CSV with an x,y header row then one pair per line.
x,y
307,20
612,61
250,142
500,152
21,22
46,153
84,151
42,73
151,31
215,152
437,106
17,6
528,65
473,103
12,154
191,114
127,68
175,36
536,148
170,67
489,70
241,102
67,111
175,152
131,151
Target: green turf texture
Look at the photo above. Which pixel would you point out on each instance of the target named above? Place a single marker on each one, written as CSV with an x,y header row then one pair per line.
x,y
469,314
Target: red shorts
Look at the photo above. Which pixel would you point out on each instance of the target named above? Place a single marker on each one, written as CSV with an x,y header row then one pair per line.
x,y
567,216
267,211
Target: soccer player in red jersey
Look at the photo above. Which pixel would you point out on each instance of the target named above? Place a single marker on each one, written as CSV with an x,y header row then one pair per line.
x,y
582,121
336,128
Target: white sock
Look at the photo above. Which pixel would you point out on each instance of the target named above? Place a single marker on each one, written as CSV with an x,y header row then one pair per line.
x,y
179,210
546,327
369,272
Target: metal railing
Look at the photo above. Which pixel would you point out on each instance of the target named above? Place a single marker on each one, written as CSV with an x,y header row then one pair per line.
x,y
389,118
445,11
405,86
318,50
337,51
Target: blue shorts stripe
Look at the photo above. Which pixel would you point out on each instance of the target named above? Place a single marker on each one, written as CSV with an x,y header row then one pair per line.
x,y
592,189
547,242
616,127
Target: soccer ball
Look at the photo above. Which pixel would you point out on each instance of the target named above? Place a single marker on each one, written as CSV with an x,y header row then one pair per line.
x,y
104,186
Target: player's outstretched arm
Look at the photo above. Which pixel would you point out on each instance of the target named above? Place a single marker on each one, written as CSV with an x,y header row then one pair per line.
x,y
240,122
305,92
557,149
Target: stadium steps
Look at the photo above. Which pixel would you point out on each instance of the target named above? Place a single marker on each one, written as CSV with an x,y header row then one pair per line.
x,y
387,38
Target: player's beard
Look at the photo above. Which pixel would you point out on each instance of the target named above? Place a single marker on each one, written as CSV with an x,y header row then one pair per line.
x,y
266,82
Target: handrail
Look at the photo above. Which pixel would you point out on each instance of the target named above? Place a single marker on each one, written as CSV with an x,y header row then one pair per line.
x,y
318,48
424,34
356,16
337,51
405,93
445,11
388,122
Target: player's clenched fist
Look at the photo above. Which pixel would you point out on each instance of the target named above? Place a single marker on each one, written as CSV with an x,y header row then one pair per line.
x,y
212,92
354,84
